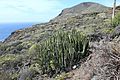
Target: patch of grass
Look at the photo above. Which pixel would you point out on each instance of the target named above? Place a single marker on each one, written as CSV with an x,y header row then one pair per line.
x,y
107,30
14,76
4,76
35,68
62,76
116,20
7,57
3,47
72,20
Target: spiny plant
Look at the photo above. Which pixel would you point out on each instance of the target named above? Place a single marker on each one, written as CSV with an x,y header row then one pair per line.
x,y
62,51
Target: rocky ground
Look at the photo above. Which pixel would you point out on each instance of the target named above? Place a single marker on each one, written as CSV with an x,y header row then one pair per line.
x,y
103,63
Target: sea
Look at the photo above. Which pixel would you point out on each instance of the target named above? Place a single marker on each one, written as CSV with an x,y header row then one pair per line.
x,y
7,28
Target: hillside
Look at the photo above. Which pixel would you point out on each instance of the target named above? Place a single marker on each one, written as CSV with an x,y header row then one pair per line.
x,y
92,19
89,23
83,8
79,13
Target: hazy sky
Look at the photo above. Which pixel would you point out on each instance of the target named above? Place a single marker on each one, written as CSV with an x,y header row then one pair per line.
x,y
37,10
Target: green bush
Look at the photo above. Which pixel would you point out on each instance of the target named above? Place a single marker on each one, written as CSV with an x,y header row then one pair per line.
x,y
62,51
3,47
7,57
5,76
116,20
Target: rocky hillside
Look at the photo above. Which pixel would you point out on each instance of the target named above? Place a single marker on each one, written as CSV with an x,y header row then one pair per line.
x,y
92,19
82,9
92,23
77,16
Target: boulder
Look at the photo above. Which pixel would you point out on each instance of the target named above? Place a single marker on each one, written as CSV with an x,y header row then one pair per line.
x,y
116,32
96,36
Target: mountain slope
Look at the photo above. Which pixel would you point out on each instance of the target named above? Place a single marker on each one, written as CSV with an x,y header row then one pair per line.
x,y
81,9
67,17
90,18
90,23
84,8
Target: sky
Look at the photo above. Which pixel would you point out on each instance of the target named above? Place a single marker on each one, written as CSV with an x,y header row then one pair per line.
x,y
38,10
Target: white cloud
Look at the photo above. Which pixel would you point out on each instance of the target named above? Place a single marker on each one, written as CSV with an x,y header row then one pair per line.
x,y
37,10
28,10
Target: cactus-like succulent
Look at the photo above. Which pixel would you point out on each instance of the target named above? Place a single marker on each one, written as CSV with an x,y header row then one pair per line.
x,y
62,51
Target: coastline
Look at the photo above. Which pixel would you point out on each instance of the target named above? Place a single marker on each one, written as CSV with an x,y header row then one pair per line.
x,y
7,28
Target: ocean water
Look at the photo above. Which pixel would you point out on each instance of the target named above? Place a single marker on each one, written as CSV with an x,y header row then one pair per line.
x,y
7,28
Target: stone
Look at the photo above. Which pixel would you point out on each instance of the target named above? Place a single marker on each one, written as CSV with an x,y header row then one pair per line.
x,y
116,32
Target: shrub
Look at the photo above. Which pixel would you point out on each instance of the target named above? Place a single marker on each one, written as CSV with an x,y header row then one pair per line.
x,y
62,76
3,47
116,20
4,76
7,57
62,51
107,30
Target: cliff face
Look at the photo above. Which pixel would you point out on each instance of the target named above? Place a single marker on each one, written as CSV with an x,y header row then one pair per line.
x,y
93,19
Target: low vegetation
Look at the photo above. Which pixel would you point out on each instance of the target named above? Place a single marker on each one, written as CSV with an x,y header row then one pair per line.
x,y
116,20
61,51
8,57
37,53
